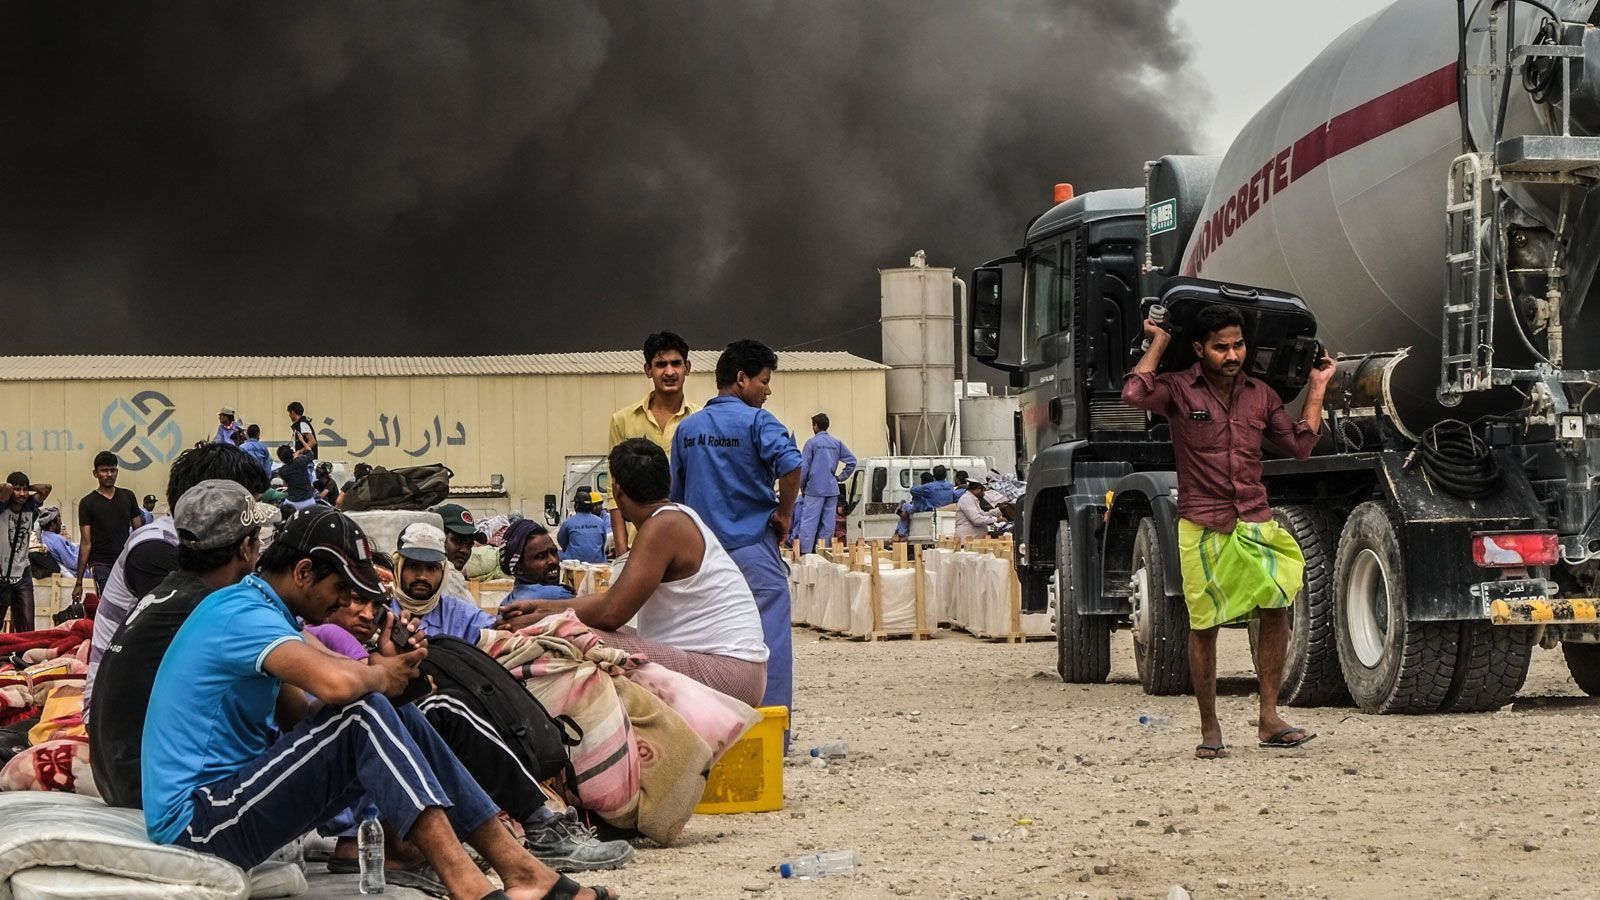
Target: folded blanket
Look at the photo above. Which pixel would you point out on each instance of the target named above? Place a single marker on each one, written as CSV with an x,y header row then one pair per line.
x,y
649,734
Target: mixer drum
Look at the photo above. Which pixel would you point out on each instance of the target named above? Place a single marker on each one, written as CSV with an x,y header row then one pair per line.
x,y
1335,192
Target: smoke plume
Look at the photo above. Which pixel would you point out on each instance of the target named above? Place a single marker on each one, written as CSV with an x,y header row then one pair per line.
x,y
458,176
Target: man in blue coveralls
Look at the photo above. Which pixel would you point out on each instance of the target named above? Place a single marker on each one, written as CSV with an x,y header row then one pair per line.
x,y
582,536
931,494
725,459
819,483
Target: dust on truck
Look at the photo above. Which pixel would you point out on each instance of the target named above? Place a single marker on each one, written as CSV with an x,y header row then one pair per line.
x,y
1427,186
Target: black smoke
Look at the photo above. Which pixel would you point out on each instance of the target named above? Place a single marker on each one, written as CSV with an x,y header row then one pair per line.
x,y
459,176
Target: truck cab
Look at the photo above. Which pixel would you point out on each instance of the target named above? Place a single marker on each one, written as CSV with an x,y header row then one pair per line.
x,y
1059,315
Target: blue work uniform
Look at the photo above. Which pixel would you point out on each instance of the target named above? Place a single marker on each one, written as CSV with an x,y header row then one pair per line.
x,y
582,537
258,452
819,488
533,590
925,498
725,459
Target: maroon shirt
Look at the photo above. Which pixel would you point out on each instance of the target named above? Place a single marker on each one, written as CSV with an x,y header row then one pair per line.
x,y
1218,447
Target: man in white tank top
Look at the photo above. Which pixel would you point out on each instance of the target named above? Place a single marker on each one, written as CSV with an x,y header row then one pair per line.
x,y
696,614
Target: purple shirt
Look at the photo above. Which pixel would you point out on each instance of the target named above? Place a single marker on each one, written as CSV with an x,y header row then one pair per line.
x,y
453,616
1218,448
338,640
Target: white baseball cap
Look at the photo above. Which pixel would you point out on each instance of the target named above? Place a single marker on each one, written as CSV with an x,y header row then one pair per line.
x,y
422,542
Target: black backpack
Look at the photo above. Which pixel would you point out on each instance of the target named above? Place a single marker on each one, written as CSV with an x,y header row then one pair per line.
x,y
461,670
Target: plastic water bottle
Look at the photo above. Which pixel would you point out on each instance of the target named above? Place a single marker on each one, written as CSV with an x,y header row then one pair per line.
x,y
830,750
820,865
1154,720
369,840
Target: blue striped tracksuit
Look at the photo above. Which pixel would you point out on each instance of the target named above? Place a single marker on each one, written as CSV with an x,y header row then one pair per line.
x,y
326,764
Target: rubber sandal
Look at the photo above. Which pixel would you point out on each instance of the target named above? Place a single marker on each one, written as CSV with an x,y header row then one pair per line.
x,y
420,877
1276,742
567,889
344,866
1217,751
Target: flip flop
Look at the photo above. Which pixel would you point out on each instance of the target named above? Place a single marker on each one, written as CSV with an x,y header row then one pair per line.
x,y
567,889
420,877
1276,742
1216,751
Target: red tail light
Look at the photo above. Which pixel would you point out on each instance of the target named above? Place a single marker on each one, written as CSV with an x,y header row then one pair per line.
x,y
1495,550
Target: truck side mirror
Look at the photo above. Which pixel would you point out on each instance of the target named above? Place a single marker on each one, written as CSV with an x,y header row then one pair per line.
x,y
985,313
552,512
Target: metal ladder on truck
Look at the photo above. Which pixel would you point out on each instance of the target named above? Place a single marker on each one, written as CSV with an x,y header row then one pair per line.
x,y
1475,233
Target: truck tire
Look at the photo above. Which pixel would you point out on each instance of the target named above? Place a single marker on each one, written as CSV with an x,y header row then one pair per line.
x,y
1391,664
1583,661
1311,673
1160,623
1491,666
1083,643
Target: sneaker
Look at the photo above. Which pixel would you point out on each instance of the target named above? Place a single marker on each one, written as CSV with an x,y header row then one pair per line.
x,y
566,844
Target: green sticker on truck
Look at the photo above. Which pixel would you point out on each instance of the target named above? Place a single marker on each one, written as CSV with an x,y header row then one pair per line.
x,y
1163,217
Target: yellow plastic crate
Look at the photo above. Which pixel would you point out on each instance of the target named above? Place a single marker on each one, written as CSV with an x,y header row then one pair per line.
x,y
749,777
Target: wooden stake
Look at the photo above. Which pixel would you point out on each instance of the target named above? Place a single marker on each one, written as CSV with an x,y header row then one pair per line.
x,y
876,593
921,600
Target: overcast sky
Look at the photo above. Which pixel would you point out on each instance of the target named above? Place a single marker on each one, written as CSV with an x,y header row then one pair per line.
x,y
1246,50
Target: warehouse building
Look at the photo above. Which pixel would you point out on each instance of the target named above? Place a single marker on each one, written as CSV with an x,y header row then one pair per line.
x,y
505,425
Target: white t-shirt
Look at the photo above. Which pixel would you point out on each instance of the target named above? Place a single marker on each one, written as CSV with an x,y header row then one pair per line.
x,y
711,611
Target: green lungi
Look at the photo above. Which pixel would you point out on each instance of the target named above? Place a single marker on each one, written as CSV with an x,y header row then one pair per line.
x,y
1228,576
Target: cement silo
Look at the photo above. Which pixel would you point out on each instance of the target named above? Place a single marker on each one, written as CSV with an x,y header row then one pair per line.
x,y
918,320
989,429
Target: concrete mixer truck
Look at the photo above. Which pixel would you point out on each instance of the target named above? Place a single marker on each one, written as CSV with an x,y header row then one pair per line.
x,y
1423,200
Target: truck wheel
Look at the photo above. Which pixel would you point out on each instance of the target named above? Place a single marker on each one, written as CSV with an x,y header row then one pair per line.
x,y
1311,675
1583,661
1391,664
1491,665
1083,643
1160,623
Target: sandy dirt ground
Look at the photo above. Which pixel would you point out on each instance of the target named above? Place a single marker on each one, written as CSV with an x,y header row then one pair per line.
x,y
956,745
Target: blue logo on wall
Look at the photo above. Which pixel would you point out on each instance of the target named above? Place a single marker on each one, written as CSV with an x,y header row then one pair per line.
x,y
142,430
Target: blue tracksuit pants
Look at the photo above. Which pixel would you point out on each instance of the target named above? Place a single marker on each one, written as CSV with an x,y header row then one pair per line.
x,y
814,520
768,577
325,764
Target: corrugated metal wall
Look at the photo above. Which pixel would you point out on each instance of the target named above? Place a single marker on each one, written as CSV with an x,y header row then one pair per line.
x,y
521,427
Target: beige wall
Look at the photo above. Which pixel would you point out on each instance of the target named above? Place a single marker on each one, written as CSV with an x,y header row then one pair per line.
x,y
522,427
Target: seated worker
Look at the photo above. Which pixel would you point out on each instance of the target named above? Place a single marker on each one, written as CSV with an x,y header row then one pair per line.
x,y
552,831
218,523
461,537
582,537
238,760
973,520
530,556
695,610
62,550
299,492
151,553
420,577
932,493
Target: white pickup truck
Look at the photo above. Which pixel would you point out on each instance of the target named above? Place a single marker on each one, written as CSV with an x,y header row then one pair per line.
x,y
873,495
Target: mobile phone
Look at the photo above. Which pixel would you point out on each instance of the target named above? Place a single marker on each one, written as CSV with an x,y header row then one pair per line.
x,y
398,633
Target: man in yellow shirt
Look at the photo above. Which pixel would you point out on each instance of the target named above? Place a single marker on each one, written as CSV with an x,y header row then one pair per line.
x,y
656,417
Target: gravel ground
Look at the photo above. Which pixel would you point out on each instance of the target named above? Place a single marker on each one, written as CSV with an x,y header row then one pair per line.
x,y
975,772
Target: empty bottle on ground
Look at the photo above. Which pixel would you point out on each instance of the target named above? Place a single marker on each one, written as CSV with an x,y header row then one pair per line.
x,y
821,865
